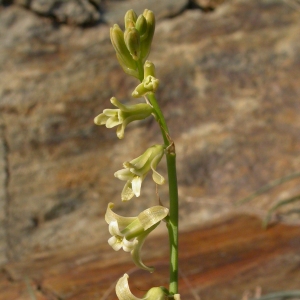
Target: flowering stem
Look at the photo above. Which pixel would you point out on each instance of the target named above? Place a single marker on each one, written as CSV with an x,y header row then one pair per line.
x,y
172,221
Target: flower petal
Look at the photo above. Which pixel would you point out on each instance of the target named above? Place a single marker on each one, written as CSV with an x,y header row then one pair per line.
x,y
111,217
128,246
159,179
122,289
136,185
101,119
112,122
127,192
152,215
110,112
115,243
140,161
124,174
135,253
113,228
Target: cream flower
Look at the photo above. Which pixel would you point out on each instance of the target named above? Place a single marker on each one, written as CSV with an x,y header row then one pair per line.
x,y
123,291
123,115
130,233
136,170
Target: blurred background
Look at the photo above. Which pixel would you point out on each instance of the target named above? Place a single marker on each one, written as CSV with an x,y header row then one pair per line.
x,y
230,91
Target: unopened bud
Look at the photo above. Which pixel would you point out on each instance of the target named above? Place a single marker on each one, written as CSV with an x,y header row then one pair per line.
x,y
141,26
132,41
156,293
149,69
130,18
146,44
125,58
148,85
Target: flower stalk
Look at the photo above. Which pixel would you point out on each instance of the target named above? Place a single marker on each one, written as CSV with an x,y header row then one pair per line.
x,y
129,233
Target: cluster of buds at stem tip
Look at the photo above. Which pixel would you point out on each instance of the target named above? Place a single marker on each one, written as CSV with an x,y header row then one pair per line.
x,y
136,170
156,293
123,115
134,44
129,233
150,82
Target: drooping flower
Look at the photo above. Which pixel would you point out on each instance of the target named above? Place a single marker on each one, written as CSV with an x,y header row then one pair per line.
x,y
123,291
123,115
136,170
130,233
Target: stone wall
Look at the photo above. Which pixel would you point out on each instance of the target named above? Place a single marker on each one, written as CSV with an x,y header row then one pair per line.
x,y
230,92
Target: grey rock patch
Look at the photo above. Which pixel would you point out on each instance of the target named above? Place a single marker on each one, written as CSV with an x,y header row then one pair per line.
x,y
75,12
114,11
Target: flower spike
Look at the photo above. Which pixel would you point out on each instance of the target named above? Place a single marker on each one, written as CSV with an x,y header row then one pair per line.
x,y
137,169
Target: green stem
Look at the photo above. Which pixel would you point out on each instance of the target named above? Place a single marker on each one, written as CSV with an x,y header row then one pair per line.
x,y
140,70
160,118
172,222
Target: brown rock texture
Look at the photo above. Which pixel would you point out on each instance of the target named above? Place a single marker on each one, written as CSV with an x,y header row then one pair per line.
x,y
229,90
222,260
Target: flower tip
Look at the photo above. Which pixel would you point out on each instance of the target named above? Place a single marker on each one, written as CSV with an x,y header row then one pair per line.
x,y
135,94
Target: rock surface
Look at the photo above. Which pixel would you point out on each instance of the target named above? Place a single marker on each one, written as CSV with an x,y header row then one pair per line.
x,y
232,257
75,12
230,93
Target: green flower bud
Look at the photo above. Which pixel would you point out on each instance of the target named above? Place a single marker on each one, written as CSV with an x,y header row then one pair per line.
x,y
156,293
141,26
124,57
146,45
130,18
148,85
149,69
132,41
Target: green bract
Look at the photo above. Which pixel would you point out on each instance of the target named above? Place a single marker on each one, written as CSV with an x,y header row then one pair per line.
x,y
122,116
136,170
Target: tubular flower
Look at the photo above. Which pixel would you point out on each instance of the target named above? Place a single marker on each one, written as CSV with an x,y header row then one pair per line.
x,y
149,83
123,291
123,115
130,233
137,169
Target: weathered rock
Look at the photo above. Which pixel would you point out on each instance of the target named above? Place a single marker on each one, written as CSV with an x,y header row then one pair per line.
x,y
208,4
79,12
231,257
115,10
229,78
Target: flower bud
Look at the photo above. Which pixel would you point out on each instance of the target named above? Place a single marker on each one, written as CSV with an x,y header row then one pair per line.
x,y
141,26
130,18
148,85
156,293
149,69
132,41
117,40
146,45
